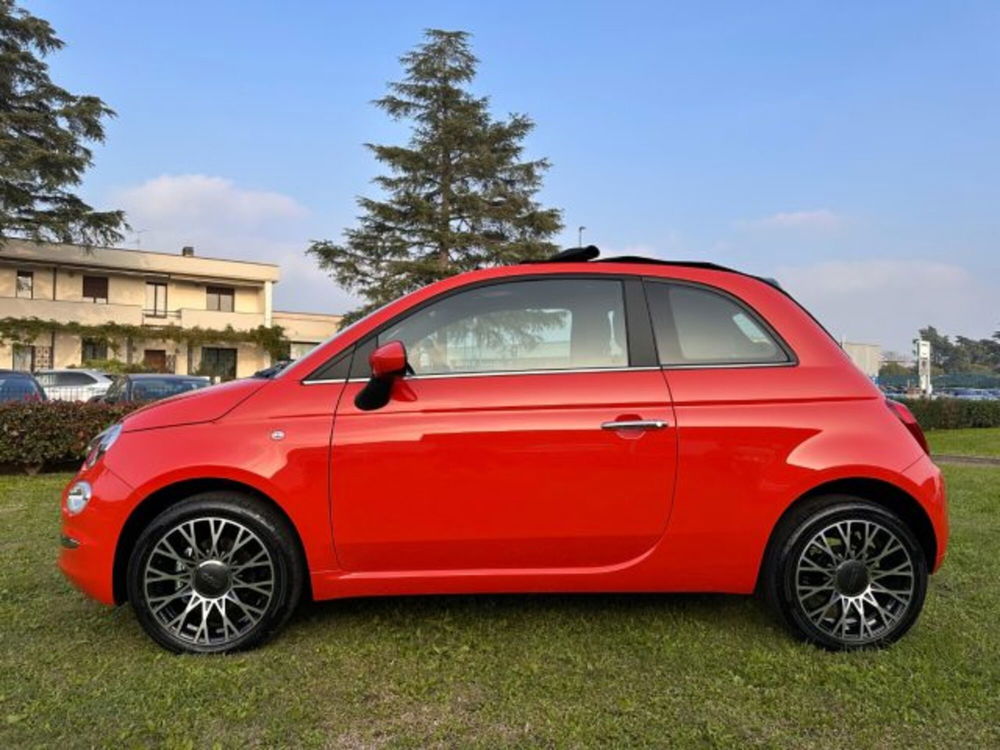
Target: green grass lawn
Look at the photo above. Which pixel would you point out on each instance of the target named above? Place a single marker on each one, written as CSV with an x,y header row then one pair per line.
x,y
983,441
490,671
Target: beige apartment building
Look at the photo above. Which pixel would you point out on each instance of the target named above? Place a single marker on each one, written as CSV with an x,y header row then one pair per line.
x,y
67,283
868,357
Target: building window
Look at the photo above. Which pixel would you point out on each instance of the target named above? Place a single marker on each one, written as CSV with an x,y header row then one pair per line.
x,y
220,298
25,284
95,289
218,362
156,299
43,357
94,349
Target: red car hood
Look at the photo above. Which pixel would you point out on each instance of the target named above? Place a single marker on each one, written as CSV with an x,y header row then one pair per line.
x,y
205,405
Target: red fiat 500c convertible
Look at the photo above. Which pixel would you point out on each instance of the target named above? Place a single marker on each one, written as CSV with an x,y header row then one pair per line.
x,y
576,425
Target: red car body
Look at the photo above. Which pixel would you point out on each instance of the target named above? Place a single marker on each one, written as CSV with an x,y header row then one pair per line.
x,y
506,483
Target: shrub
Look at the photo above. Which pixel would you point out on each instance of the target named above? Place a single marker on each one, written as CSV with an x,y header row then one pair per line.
x,y
36,434
954,413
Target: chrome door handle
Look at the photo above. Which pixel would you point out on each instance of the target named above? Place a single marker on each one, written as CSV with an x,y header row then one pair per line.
x,y
637,424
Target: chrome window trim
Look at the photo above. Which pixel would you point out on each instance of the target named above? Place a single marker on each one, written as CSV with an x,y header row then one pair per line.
x,y
728,365
504,373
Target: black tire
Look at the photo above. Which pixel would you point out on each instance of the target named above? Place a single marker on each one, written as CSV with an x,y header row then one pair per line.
x,y
246,577
845,605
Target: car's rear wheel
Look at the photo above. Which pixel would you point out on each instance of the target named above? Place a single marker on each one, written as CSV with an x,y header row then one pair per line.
x,y
845,573
217,572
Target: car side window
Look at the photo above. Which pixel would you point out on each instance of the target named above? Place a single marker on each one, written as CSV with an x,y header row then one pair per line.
x,y
697,326
114,392
74,378
518,326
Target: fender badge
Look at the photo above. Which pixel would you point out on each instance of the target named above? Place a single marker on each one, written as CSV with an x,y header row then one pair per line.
x,y
277,434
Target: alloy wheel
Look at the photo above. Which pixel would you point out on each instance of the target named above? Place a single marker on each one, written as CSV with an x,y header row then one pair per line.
x,y
209,580
855,581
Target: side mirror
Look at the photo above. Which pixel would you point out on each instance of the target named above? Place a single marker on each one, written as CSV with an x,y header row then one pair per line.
x,y
388,362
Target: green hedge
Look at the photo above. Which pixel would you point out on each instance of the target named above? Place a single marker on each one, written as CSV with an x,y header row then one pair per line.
x,y
954,413
39,434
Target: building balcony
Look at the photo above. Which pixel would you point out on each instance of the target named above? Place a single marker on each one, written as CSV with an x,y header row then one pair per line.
x,y
68,311
91,313
216,319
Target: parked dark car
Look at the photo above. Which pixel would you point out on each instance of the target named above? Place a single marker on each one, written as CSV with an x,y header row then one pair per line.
x,y
151,387
20,386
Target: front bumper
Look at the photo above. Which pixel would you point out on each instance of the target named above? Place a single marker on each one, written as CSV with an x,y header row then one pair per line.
x,y
89,539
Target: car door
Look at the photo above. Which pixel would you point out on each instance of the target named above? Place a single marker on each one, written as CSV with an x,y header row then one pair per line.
x,y
536,432
74,386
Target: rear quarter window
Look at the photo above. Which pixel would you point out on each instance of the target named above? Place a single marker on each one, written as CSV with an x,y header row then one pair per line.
x,y
695,326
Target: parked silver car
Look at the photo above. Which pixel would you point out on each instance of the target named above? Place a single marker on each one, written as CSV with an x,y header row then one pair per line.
x,y
73,385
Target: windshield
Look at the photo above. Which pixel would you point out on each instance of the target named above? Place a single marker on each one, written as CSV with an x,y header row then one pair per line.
x,y
150,388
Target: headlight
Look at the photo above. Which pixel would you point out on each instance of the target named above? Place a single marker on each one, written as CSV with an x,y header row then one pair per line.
x,y
102,444
78,497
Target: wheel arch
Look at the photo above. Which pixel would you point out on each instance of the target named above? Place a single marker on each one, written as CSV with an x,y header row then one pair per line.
x,y
159,500
878,491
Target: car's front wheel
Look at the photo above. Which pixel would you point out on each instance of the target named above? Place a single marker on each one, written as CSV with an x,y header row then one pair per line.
x,y
845,573
217,572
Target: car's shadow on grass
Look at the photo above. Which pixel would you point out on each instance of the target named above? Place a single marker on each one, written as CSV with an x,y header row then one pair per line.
x,y
566,612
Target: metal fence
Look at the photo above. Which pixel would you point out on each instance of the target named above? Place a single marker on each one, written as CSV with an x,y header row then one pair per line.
x,y
70,392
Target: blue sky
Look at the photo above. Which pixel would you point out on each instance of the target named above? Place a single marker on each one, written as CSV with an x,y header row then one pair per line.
x,y
850,149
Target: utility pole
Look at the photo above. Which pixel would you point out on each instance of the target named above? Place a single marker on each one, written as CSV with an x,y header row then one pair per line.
x,y
579,236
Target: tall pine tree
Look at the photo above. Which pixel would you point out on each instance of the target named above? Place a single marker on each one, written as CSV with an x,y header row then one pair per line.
x,y
457,197
44,130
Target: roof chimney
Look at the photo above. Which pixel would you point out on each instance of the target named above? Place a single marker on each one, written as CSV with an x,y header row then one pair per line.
x,y
188,251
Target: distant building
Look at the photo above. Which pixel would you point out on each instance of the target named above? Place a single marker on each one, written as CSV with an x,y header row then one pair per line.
x,y
903,359
868,357
68,283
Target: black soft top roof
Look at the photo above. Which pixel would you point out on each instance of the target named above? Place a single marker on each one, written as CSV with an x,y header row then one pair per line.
x,y
592,253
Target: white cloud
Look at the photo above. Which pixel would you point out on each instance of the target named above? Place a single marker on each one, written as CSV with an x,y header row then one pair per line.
x,y
821,219
668,245
221,219
885,301
199,197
